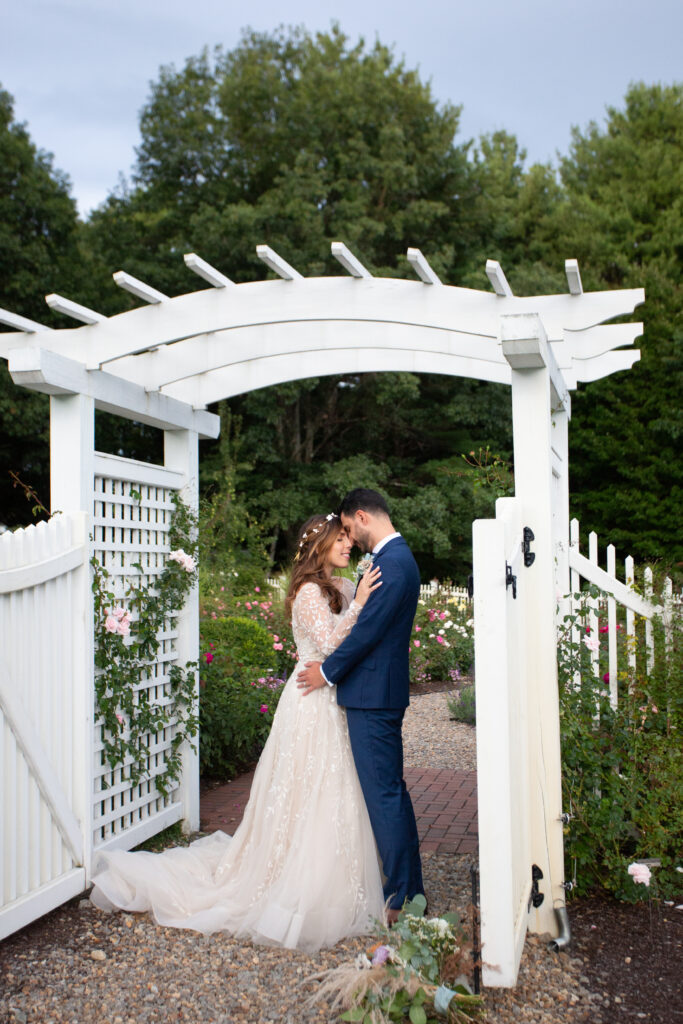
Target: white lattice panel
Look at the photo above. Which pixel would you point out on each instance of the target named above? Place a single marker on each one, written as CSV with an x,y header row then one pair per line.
x,y
131,519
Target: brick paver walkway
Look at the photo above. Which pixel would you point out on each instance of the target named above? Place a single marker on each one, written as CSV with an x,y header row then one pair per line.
x,y
445,805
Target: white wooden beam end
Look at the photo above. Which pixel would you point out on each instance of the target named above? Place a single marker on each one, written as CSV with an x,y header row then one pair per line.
x,y
421,267
73,309
349,261
276,263
495,274
21,323
205,270
138,288
571,269
54,374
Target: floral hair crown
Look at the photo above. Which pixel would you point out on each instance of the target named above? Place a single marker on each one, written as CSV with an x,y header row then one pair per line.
x,y
316,529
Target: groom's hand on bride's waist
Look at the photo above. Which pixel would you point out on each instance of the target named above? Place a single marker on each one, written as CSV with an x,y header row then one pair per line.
x,y
311,678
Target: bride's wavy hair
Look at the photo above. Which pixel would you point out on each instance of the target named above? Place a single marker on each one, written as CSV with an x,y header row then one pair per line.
x,y
316,537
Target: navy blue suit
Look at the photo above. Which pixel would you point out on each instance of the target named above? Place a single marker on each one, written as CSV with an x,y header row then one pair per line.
x,y
370,670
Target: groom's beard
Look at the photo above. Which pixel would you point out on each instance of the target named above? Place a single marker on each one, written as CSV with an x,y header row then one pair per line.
x,y
363,541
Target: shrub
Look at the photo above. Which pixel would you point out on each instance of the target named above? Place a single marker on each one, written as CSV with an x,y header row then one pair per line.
x,y
622,775
462,705
442,643
247,643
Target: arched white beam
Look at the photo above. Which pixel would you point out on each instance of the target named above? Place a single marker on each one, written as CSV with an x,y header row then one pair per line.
x,y
221,349
603,366
377,299
261,373
595,341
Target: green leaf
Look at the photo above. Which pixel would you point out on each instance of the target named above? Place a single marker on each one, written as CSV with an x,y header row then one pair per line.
x,y
356,1014
417,1015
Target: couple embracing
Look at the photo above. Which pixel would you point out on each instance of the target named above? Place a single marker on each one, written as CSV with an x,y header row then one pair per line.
x,y
328,840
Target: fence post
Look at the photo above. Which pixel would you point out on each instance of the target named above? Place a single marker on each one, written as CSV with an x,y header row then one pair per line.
x,y
181,454
630,624
612,630
534,378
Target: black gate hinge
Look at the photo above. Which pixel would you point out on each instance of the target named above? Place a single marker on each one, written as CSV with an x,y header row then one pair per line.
x,y
510,580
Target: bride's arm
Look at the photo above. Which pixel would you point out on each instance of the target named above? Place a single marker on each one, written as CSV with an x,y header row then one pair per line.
x,y
317,621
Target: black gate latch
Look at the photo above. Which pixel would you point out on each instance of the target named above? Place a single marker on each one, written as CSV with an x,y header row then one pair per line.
x,y
510,580
536,897
529,556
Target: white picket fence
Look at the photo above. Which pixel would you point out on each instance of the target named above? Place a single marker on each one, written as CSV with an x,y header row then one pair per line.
x,y
428,591
614,593
46,713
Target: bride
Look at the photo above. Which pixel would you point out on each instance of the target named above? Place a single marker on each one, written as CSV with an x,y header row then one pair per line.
x,y
302,868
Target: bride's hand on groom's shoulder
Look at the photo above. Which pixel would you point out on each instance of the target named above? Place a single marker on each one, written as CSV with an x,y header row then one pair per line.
x,y
369,581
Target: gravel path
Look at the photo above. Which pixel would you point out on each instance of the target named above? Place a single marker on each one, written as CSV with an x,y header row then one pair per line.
x,y
78,965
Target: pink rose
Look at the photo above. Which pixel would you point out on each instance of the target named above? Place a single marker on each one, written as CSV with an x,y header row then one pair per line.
x,y
277,647
604,629
605,678
247,604
119,612
442,615
418,629
123,628
655,710
209,657
640,873
592,643
111,624
439,640
275,636
119,719
184,560
263,709
257,589
416,642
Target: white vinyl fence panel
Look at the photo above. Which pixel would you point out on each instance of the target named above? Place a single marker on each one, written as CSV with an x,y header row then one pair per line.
x,y
45,708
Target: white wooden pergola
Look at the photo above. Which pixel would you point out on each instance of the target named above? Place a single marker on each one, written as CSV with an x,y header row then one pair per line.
x,y
166,361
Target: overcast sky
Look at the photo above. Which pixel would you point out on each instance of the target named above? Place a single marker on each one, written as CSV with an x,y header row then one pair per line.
x,y
79,70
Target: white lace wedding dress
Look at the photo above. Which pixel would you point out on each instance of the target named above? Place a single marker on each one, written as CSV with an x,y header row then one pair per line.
x,y
302,868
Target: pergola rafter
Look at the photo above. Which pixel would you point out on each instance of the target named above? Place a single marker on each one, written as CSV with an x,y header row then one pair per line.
x,y
218,342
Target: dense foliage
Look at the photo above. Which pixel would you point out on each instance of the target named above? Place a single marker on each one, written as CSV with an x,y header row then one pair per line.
x,y
622,772
297,140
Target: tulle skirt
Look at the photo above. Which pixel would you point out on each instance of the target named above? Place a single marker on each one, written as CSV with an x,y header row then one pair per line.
x,y
301,870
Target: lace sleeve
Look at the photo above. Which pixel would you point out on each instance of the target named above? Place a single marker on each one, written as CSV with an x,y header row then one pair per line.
x,y
315,618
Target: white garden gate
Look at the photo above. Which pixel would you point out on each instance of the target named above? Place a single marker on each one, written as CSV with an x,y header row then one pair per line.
x,y
165,362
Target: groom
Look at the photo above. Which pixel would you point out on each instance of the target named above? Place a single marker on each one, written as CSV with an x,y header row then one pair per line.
x,y
370,671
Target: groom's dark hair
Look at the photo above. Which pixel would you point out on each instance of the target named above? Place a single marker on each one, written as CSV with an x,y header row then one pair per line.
x,y
365,499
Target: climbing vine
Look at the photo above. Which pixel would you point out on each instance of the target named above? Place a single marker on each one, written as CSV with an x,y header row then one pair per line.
x,y
127,643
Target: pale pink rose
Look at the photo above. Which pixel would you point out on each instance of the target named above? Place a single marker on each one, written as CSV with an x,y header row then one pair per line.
x,y
640,873
277,647
655,709
119,612
119,719
416,642
123,628
257,589
418,629
592,643
184,560
111,624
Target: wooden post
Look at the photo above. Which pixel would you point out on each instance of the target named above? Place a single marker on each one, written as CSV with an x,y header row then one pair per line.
x,y
72,461
181,454
536,383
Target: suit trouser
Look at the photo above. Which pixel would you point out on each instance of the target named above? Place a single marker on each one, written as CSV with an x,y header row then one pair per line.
x,y
377,747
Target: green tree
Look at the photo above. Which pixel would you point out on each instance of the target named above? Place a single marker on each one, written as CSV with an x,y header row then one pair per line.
x,y
39,253
623,219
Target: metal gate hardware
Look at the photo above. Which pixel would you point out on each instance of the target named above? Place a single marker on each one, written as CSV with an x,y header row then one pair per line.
x,y
529,556
510,580
470,587
536,897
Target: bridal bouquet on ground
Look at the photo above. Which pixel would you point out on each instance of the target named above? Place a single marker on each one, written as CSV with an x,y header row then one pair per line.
x,y
416,973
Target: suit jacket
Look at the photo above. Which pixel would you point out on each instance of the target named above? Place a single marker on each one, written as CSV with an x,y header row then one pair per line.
x,y
370,668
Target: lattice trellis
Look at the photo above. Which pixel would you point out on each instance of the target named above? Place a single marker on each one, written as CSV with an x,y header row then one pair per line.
x,y
132,510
